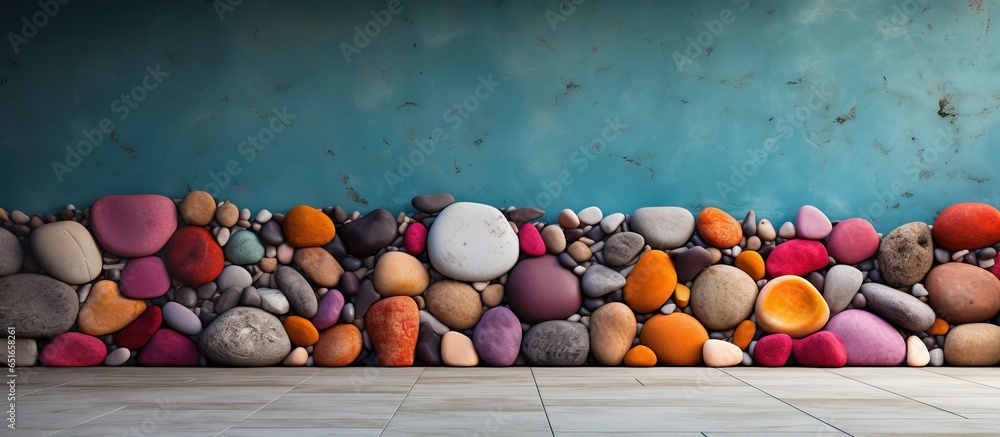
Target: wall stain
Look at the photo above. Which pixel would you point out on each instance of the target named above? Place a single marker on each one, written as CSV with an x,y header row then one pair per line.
x,y
457,168
881,148
976,6
172,58
945,108
604,68
571,87
241,189
850,116
406,105
132,153
351,192
545,43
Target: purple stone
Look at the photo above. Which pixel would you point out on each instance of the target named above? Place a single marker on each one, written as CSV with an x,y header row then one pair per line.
x,y
328,313
498,337
540,289
870,341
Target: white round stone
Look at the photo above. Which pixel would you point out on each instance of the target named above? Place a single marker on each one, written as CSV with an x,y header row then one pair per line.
x,y
472,242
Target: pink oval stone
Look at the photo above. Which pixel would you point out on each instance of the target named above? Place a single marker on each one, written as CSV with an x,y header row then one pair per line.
x,y
133,225
73,349
328,311
811,223
415,238
530,240
869,340
853,241
169,348
145,278
796,257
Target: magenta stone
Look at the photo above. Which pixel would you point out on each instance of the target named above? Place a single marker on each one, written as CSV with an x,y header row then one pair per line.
x,y
870,341
540,289
822,349
145,278
796,257
73,349
328,310
530,240
133,225
853,241
773,350
169,348
415,238
811,223
497,337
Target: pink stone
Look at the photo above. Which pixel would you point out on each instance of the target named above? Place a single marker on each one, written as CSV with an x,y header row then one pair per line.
x,y
145,278
796,257
811,223
74,349
530,240
169,348
133,225
822,349
328,312
773,350
869,340
415,238
853,241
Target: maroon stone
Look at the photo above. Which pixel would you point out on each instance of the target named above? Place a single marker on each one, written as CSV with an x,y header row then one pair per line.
x,y
540,289
169,348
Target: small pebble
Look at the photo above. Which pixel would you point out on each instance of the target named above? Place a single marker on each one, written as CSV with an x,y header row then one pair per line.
x,y
568,219
959,255
787,231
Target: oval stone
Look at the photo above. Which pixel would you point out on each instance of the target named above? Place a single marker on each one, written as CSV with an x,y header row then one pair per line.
x,y
197,208
244,248
621,248
840,285
455,304
497,337
245,337
457,350
677,339
393,324
973,344
963,293
181,319
431,203
305,226
718,228
612,329
37,305
869,340
691,262
852,241
11,253
193,256
318,266
369,234
899,308
329,309
791,305
811,223
663,227
540,289
650,283
338,346
472,242
970,225
144,278
169,348
73,349
723,296
301,297
906,255
773,350
67,252
137,333
822,349
133,225
556,343
400,274
599,280
415,239
796,257
719,353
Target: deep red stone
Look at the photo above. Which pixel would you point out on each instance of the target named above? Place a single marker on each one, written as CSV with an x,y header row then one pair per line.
x,y
193,256
772,350
169,348
822,349
137,333
796,257
73,349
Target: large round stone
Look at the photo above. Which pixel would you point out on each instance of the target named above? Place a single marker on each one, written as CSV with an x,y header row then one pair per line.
x,y
540,289
722,296
970,225
369,234
400,274
791,305
973,344
498,337
869,340
677,339
472,242
663,227
11,253
556,343
133,225
454,303
612,329
852,241
193,256
899,308
963,293
37,306
245,337
67,252
906,255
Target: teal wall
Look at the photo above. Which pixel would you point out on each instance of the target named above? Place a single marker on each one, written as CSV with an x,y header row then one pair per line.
x,y
884,110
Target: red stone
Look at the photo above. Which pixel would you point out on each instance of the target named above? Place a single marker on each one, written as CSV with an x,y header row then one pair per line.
x,y
796,257
393,324
822,349
169,348
193,256
137,333
772,350
530,240
73,349
415,238
970,225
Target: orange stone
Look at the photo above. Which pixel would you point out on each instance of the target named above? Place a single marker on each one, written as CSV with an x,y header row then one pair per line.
x,y
300,331
305,226
791,305
106,311
744,334
682,295
400,274
970,225
650,283
676,339
752,263
393,325
940,327
718,228
640,356
338,346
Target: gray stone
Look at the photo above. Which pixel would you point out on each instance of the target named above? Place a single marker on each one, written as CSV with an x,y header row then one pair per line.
x,y
337,248
937,357
816,279
273,301
250,297
206,291
365,298
431,203
186,296
525,214
428,319
350,263
897,307
599,280
300,294
11,253
906,254
556,343
25,352
234,276
347,314
621,248
229,299
691,262
271,233
842,282
367,235
723,296
750,224
245,337
37,306
663,227
181,319
349,284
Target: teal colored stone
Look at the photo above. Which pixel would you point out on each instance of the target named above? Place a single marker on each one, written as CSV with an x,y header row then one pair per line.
x,y
244,248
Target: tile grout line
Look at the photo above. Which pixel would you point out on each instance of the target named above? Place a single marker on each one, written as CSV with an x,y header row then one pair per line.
x,y
786,403
415,380
56,386
91,419
544,410
268,403
896,394
925,369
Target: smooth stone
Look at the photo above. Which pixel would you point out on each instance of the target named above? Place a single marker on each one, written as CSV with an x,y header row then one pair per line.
x,y
73,349
66,251
25,352
853,241
812,224
132,226
937,357
787,231
525,214
181,319
369,234
305,226
580,252
870,341
300,294
229,299
193,256
472,242
318,266
456,304
492,295
677,339
744,333
752,264
297,358
11,253
611,223
138,333
663,227
285,254
530,241
106,310
197,208
271,233
457,350
18,217
338,346
722,297
539,289
962,293
429,346
245,337
749,225
244,248
228,214
612,329
621,248
347,314
144,278
822,349
400,274
168,348
568,219
969,225
393,325
840,285
898,308
773,350
556,343
186,296
650,283
250,297
38,306
719,229
426,318
973,344
234,276
590,215
300,331
766,232
858,301
329,310
432,203
497,337
415,239
917,354
599,280
554,239
691,262
640,356
791,305
117,357
349,284
719,353
906,255
796,257
365,298
273,301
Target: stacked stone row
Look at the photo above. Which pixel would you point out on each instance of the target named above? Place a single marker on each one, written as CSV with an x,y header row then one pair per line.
x,y
146,280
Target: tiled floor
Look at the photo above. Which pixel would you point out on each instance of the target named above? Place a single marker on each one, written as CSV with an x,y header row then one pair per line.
x,y
523,401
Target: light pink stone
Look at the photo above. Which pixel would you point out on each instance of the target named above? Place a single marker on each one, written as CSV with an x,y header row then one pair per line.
x,y
812,224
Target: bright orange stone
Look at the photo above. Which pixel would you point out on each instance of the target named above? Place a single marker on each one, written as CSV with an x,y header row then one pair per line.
x,y
752,263
676,339
305,226
682,295
300,331
107,310
791,305
744,334
650,283
338,346
940,327
640,356
718,228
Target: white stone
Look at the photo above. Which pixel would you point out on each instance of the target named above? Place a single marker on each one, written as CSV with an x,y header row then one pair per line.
x,y
590,215
472,242
117,357
917,354
234,275
181,319
787,231
67,252
273,301
721,353
663,227
222,237
263,216
612,222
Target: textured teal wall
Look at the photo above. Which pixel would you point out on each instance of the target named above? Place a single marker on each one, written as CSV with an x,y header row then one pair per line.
x,y
884,110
